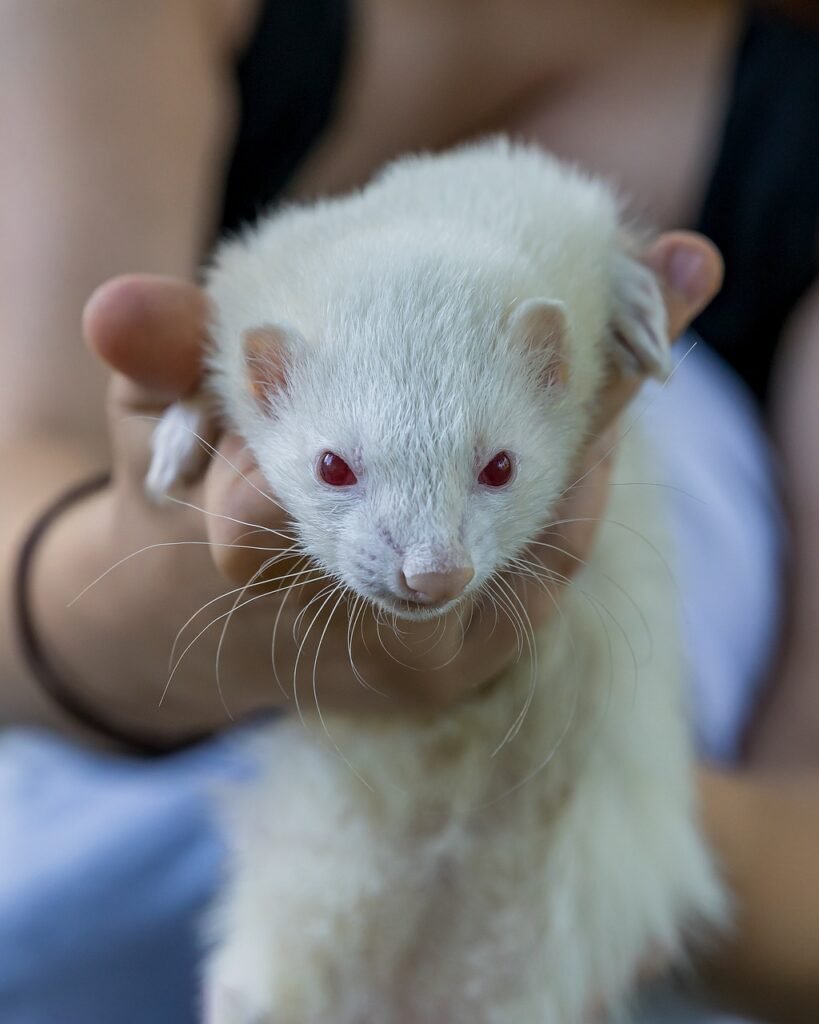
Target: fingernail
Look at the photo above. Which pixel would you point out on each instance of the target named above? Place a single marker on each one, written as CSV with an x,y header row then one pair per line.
x,y
687,273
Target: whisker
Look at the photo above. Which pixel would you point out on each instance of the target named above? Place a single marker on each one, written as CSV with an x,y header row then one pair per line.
x,y
535,570
239,522
226,623
636,419
243,590
487,593
636,533
220,597
637,609
213,451
304,560
181,658
332,591
532,646
335,746
658,483
313,600
439,634
546,761
503,604
444,664
373,611
393,657
359,609
256,597
165,544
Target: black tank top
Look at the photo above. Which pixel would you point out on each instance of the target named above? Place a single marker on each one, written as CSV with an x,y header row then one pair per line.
x,y
288,81
761,206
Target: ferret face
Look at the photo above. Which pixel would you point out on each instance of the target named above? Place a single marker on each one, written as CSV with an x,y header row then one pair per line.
x,y
415,468
415,366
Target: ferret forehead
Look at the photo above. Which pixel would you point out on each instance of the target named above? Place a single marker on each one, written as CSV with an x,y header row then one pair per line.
x,y
369,292
433,299
434,403
423,350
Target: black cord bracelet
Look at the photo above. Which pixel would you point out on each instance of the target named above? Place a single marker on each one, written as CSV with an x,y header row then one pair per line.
x,y
135,741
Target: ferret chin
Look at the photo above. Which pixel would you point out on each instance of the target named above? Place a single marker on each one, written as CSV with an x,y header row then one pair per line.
x,y
416,369
415,611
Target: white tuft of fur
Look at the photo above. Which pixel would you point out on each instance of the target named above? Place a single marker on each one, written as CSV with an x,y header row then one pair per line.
x,y
177,451
470,881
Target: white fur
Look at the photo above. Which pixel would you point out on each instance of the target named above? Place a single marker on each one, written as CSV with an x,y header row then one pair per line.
x,y
177,449
461,887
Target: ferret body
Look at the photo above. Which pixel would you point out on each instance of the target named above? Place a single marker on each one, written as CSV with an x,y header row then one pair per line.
x,y
416,368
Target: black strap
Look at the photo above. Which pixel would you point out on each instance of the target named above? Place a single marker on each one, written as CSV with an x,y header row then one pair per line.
x,y
50,681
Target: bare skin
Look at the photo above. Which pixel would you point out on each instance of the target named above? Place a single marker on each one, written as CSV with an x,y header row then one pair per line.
x,y
151,330
785,738
765,832
115,130
116,122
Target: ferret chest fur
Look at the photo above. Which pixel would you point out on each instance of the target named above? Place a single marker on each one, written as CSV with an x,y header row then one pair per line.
x,y
513,859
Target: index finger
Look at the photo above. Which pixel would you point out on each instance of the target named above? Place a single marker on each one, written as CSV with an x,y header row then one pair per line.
x,y
151,330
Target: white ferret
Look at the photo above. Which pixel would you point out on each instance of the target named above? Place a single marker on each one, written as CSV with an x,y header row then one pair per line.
x,y
416,368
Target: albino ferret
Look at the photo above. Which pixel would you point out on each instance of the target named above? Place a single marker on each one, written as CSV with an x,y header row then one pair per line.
x,y
416,368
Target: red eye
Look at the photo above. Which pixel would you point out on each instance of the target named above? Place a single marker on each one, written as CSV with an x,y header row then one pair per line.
x,y
334,471
498,472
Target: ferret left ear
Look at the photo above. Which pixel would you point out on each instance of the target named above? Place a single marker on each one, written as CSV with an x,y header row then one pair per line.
x,y
539,326
268,352
639,325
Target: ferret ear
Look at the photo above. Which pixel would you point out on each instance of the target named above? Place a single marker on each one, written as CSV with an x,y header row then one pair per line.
x,y
539,326
268,352
639,325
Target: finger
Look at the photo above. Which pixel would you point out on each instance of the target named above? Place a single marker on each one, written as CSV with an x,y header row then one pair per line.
x,y
615,395
690,271
579,513
247,525
151,331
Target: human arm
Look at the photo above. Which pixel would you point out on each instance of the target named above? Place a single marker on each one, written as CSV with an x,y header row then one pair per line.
x,y
764,820
765,833
114,118
786,732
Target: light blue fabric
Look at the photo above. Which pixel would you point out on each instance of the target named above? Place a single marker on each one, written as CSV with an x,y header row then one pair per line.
x,y
106,865
730,538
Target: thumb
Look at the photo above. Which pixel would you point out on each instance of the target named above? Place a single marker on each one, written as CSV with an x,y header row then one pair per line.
x,y
151,331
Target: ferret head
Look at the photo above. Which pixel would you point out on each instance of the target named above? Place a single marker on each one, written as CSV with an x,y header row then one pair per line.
x,y
421,425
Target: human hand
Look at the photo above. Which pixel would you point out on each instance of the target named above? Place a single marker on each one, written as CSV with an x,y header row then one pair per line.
x,y
151,331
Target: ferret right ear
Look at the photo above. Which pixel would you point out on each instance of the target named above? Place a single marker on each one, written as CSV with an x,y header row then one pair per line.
x,y
268,352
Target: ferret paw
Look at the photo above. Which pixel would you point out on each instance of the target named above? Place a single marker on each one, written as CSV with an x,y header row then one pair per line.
x,y
178,448
639,319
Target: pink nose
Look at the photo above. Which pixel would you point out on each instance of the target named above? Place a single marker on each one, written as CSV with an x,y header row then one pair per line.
x,y
432,587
